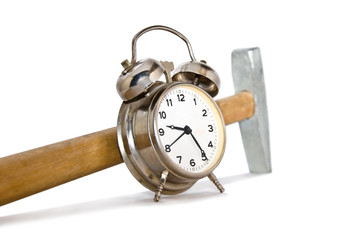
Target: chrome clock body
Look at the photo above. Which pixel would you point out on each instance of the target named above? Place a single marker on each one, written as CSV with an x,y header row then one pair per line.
x,y
170,133
143,146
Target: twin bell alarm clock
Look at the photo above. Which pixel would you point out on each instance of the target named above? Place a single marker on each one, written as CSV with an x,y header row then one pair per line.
x,y
170,131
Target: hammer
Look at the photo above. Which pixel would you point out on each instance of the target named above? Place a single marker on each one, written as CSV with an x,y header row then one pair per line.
x,y
36,170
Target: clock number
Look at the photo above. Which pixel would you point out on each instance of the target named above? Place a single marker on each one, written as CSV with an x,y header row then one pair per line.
x,y
169,102
204,113
210,144
180,97
204,158
167,148
161,132
192,163
162,115
195,101
179,158
210,128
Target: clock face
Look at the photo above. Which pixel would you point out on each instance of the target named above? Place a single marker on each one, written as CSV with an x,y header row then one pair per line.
x,y
189,128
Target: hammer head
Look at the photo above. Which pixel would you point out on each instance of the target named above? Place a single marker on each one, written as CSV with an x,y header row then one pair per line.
x,y
247,72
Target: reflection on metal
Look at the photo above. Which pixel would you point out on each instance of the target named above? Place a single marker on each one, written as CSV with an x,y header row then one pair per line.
x,y
247,74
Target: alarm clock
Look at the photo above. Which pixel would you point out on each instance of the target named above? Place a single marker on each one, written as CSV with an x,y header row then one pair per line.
x,y
170,131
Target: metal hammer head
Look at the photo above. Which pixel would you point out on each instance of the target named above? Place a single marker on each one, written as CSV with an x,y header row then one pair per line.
x,y
247,72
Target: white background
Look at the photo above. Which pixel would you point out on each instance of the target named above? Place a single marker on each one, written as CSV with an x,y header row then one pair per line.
x,y
59,61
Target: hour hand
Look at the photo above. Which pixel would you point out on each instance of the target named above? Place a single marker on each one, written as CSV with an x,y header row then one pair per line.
x,y
175,128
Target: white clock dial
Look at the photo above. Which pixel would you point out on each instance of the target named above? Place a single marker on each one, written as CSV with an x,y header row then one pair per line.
x,y
189,128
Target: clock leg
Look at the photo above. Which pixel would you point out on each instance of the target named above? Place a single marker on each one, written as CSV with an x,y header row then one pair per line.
x,y
163,179
213,178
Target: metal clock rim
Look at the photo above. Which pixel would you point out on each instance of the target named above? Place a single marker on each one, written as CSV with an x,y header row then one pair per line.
x,y
168,163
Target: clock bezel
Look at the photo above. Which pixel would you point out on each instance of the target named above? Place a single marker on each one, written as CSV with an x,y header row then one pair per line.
x,y
164,158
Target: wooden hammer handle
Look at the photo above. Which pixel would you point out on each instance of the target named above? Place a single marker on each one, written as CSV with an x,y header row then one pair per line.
x,y
36,170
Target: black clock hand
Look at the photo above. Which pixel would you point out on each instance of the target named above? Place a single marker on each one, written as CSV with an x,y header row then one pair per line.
x,y
176,139
176,128
195,140
202,151
186,130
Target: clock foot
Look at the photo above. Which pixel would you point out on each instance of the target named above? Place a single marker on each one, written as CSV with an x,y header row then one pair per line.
x,y
163,179
213,178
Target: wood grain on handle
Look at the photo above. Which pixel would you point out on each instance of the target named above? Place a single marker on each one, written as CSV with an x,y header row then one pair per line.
x,y
36,170
236,107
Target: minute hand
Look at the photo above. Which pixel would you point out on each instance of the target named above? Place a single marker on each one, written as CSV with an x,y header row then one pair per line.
x,y
195,140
